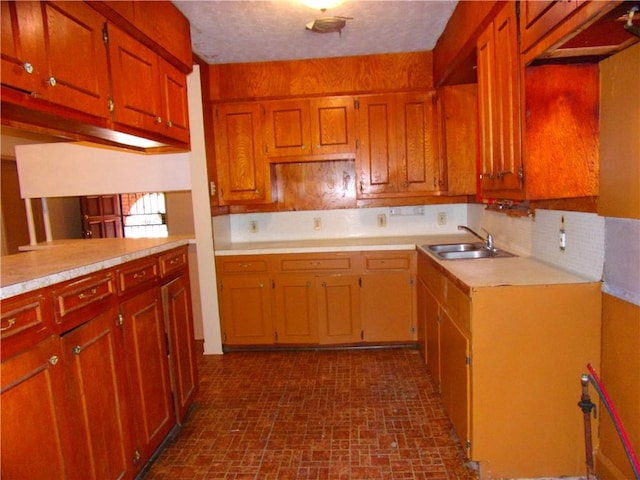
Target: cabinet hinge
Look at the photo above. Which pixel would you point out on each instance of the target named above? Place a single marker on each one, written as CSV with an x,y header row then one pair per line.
x,y
468,444
224,337
521,173
357,143
361,334
275,336
273,284
413,330
105,34
111,106
467,360
360,281
412,281
120,320
212,188
356,104
136,456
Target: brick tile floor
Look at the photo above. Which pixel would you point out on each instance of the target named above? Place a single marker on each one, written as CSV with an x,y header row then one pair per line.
x,y
314,415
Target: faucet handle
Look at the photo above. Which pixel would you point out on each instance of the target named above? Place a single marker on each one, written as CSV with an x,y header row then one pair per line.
x,y
489,239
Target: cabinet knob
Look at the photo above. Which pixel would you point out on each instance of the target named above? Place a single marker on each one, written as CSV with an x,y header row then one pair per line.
x,y
169,123
28,67
302,147
158,119
52,81
54,360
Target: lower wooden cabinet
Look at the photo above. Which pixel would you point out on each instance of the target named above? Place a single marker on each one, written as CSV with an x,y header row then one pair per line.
x,y
509,360
147,368
33,440
96,397
317,298
176,302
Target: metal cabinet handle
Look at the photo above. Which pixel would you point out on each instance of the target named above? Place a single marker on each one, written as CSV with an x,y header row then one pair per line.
x,y
54,360
84,295
28,67
158,119
52,81
140,274
169,123
10,323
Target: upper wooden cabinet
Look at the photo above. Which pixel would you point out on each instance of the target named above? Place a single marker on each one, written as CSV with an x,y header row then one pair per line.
x,y
574,28
57,53
65,73
397,146
300,128
538,124
149,94
499,104
241,165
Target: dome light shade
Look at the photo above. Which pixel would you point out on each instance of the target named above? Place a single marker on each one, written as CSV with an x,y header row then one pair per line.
x,y
322,4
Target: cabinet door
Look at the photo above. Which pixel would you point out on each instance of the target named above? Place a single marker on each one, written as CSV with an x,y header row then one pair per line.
x,y
33,442
499,105
176,298
96,391
240,162
246,310
538,17
23,48
77,68
388,297
458,135
148,371
432,320
377,146
417,155
136,85
333,125
455,376
296,309
339,309
175,108
287,128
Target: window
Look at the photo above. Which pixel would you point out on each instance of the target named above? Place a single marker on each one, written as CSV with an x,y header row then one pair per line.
x,y
144,215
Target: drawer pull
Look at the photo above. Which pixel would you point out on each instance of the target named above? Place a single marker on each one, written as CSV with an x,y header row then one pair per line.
x,y
77,349
10,323
175,260
84,295
54,360
140,274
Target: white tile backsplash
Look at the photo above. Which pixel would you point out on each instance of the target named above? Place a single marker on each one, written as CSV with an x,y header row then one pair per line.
x,y
347,223
537,237
622,259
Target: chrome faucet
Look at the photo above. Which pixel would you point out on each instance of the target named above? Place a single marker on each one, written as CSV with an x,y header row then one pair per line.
x,y
488,242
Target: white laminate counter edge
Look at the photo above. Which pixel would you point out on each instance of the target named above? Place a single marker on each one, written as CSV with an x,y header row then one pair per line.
x,y
27,271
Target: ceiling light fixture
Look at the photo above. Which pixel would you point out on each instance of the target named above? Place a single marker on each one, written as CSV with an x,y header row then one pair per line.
x,y
328,24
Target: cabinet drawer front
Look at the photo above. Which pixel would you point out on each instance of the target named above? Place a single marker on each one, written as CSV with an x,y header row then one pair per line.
x,y
247,265
83,293
316,264
137,273
173,261
400,261
26,319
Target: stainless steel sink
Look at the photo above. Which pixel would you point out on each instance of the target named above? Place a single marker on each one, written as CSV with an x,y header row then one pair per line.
x,y
455,247
462,251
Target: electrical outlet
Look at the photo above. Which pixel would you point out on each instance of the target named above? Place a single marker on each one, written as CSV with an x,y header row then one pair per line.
x,y
253,226
382,220
317,223
442,218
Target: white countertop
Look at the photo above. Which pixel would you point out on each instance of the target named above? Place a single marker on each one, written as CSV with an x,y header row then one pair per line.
x,y
475,273
60,260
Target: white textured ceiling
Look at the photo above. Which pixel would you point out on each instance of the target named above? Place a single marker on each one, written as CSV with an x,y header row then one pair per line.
x,y
236,31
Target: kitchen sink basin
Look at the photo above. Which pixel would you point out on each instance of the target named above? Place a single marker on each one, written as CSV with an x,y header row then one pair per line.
x,y
464,251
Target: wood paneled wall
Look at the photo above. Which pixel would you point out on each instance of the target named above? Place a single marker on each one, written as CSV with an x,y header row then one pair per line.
x,y
323,76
